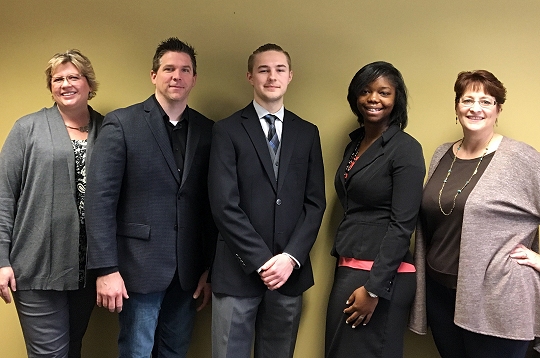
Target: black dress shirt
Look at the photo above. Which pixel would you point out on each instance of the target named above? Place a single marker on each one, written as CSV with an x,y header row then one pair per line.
x,y
177,136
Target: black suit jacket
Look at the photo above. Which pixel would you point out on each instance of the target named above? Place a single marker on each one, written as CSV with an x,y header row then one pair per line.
x,y
381,199
141,216
257,216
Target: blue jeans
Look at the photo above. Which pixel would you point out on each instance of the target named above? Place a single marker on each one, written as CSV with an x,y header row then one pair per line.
x,y
169,315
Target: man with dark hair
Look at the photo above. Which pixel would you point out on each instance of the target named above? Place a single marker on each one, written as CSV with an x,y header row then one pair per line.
x,y
266,186
174,45
151,236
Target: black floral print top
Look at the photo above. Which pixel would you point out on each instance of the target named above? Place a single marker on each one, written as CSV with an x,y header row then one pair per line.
x,y
79,148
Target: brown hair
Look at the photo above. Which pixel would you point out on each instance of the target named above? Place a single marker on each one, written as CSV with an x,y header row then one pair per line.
x,y
78,60
479,80
173,44
264,48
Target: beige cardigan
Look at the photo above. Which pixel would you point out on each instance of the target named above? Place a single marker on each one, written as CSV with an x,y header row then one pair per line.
x,y
495,295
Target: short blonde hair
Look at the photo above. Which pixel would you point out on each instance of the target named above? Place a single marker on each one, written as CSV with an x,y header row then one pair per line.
x,y
78,60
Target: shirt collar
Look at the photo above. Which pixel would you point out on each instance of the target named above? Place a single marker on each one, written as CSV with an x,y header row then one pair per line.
x,y
184,116
261,112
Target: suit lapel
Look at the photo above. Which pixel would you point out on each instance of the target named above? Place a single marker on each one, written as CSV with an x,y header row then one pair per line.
x,y
254,130
155,122
344,163
289,137
374,151
369,156
194,133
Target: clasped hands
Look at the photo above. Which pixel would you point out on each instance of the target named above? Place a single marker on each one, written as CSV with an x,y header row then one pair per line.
x,y
276,271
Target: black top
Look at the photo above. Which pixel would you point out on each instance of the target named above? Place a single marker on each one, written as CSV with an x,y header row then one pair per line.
x,y
79,149
177,135
443,233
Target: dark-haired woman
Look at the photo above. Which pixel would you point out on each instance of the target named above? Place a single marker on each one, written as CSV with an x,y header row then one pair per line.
x,y
480,212
42,223
379,184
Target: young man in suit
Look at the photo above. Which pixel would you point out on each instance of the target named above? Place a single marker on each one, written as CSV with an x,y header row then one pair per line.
x,y
266,185
150,231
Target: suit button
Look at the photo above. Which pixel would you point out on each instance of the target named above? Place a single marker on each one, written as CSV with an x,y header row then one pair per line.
x,y
278,202
175,227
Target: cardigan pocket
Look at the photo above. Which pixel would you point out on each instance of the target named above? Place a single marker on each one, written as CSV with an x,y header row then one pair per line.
x,y
133,230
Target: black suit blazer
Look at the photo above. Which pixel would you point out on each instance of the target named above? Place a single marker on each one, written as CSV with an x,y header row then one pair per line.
x,y
257,216
141,216
381,199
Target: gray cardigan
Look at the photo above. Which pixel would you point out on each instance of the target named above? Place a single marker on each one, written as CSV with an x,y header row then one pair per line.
x,y
495,295
39,223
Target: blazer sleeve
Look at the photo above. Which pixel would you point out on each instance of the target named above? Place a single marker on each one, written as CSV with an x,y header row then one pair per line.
x,y
408,171
104,183
307,227
232,222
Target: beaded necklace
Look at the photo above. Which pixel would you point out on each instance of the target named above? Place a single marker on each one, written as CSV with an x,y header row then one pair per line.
x,y
352,159
466,183
84,129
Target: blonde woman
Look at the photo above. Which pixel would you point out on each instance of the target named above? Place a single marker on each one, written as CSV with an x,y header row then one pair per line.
x,y
42,226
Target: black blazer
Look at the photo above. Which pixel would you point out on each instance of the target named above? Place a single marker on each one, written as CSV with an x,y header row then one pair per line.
x,y
141,216
381,199
257,216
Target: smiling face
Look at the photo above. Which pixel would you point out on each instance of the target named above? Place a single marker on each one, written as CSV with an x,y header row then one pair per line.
x,y
174,79
270,77
477,118
376,102
69,88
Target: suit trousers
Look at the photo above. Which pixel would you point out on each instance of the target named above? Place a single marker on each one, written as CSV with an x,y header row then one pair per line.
x,y
453,341
382,337
272,318
54,322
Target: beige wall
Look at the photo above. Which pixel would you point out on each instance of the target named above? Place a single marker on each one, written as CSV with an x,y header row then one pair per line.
x,y
430,41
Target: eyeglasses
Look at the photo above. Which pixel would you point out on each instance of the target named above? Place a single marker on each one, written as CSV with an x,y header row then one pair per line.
x,y
484,102
72,79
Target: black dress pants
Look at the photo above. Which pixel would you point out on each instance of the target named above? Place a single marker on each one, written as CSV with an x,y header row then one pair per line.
x,y
453,341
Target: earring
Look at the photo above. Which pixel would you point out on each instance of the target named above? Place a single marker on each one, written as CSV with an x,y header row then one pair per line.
x,y
456,119
497,122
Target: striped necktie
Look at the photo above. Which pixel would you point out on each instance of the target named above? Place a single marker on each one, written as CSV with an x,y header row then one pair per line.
x,y
272,134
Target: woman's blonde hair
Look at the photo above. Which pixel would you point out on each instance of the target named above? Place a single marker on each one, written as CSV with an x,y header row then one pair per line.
x,y
78,60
